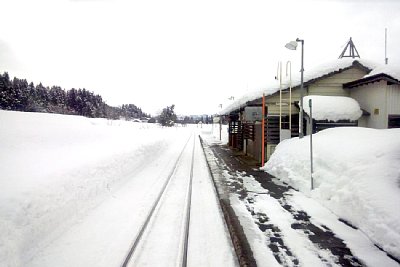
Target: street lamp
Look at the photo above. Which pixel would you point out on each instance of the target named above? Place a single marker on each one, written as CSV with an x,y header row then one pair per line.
x,y
292,46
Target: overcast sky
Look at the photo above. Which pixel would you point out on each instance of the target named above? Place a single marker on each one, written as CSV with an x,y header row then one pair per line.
x,y
194,54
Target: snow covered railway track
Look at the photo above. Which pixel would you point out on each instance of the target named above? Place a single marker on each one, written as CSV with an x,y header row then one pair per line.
x,y
164,234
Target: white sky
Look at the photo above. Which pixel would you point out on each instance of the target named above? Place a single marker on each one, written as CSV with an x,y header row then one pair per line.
x,y
194,54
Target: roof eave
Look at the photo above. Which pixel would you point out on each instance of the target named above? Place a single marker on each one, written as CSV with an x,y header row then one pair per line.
x,y
371,79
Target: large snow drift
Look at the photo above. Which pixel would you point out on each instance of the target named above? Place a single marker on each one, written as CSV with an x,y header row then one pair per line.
x,y
356,175
56,168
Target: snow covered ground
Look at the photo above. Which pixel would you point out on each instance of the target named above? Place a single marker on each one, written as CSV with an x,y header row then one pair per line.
x,y
356,175
356,179
260,203
73,190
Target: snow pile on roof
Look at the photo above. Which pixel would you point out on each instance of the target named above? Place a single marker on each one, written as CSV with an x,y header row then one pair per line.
x,y
356,176
332,108
332,66
309,74
391,70
272,88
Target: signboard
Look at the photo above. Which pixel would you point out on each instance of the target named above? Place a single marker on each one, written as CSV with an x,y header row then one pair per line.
x,y
252,114
216,119
285,134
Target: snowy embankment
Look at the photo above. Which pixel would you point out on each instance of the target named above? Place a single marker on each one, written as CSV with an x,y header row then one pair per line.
x,y
356,175
55,168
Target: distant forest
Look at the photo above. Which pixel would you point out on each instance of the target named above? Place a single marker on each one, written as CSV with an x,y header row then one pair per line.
x,y
19,95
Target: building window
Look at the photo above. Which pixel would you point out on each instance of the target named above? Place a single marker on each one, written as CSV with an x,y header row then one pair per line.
x,y
394,121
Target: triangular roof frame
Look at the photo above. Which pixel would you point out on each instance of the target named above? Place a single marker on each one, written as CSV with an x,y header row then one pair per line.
x,y
352,50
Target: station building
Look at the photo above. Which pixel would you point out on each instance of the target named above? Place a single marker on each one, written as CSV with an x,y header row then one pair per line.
x,y
375,87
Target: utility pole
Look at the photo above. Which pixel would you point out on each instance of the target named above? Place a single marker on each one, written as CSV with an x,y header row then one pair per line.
x,y
386,59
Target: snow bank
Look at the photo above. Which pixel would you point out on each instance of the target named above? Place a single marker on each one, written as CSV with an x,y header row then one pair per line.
x,y
356,175
55,168
332,108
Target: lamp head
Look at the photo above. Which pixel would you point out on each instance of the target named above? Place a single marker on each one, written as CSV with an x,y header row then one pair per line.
x,y
291,45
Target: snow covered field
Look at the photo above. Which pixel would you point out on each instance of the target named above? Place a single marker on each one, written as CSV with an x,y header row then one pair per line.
x,y
74,190
356,175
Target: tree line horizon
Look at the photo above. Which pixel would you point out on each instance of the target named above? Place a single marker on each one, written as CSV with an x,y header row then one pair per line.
x,y
20,95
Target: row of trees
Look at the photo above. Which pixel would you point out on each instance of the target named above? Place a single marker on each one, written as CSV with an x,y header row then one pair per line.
x,y
196,119
19,95
168,118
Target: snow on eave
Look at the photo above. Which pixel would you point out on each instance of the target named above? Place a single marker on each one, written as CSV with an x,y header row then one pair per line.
x,y
333,108
323,71
249,97
319,72
371,79
389,73
392,71
331,68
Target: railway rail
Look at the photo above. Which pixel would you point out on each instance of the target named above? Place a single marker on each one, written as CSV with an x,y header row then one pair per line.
x,y
163,234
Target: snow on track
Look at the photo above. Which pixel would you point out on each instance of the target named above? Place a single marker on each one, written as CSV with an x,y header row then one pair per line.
x,y
74,191
165,233
208,240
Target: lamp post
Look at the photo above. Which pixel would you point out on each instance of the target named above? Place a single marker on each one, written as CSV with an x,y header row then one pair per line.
x,y
292,46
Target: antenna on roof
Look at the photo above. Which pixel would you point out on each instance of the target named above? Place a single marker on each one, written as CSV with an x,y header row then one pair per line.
x,y
352,50
386,59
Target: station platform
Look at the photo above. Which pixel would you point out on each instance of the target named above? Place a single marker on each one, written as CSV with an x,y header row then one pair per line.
x,y
228,167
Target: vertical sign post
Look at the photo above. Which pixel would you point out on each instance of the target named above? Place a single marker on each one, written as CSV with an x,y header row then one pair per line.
x,y
311,144
220,123
220,127
212,125
263,131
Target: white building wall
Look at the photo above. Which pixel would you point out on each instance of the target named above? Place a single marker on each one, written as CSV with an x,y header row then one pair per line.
x,y
333,85
393,99
372,98
363,121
